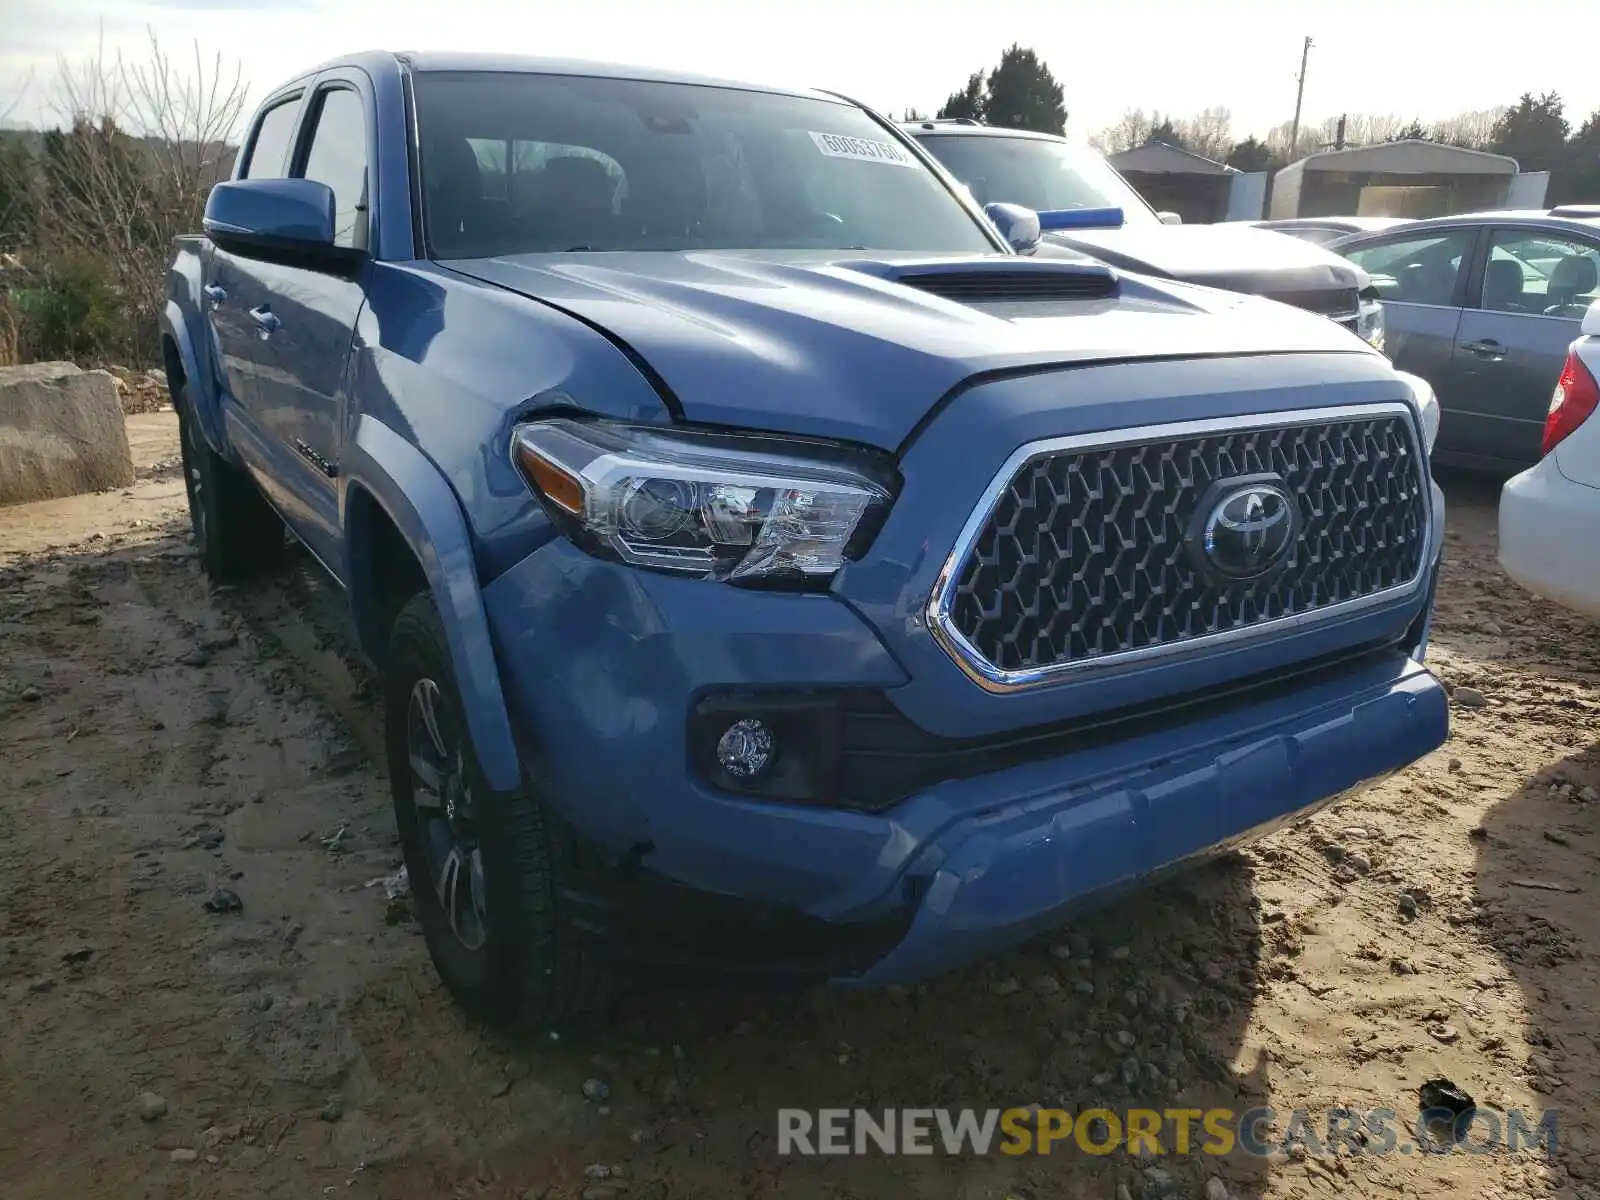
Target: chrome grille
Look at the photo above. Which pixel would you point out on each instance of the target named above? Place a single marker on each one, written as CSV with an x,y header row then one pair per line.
x,y
1078,554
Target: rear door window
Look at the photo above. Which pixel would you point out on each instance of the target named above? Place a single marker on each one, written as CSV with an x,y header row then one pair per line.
x,y
1540,273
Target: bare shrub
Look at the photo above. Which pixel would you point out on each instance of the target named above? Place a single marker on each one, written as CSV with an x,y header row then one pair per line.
x,y
143,143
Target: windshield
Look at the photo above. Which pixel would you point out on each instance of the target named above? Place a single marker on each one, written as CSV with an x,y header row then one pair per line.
x,y
1038,174
514,163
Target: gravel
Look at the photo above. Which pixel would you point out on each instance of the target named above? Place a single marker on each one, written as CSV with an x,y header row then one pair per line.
x,y
150,1106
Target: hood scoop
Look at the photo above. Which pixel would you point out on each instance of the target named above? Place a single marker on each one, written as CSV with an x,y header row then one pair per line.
x,y
999,280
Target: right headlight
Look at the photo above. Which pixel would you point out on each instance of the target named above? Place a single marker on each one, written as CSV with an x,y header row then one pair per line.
x,y
1427,406
744,508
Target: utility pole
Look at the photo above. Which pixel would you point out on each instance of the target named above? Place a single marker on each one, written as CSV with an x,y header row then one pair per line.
x,y
1299,95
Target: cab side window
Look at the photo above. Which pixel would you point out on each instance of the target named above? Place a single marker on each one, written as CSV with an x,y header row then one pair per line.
x,y
1417,269
337,157
269,151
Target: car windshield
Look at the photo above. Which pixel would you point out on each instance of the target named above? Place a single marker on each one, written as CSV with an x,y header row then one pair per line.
x,y
515,163
1037,173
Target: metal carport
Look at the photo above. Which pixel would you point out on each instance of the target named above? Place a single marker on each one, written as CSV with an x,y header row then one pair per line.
x,y
1197,188
1403,179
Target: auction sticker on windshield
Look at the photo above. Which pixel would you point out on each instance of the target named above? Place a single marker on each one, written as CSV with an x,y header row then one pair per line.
x,y
838,145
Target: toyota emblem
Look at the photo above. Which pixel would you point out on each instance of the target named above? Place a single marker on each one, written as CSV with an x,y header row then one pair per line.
x,y
1249,528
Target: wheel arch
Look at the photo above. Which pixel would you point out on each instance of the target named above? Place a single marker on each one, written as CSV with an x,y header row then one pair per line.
x,y
182,365
392,498
382,571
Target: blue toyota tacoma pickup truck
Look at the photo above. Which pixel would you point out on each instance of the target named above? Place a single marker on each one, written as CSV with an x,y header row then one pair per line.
x,y
768,567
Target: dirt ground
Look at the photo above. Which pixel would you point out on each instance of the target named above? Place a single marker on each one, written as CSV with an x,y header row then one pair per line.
x,y
161,740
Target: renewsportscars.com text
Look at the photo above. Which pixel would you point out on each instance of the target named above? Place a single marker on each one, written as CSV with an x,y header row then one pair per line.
x,y
1257,1132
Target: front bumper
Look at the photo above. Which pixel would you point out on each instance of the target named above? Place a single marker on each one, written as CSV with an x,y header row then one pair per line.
x,y
1035,801
1547,542
1046,843
960,868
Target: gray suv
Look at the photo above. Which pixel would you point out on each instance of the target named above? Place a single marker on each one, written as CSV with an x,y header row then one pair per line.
x,y
1483,306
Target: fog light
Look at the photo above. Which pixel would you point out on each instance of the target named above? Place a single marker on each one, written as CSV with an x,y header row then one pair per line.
x,y
746,748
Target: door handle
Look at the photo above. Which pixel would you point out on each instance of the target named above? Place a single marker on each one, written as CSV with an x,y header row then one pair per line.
x,y
214,293
1487,348
266,320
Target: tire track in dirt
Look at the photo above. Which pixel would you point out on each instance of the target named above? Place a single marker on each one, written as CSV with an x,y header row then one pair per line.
x,y
153,760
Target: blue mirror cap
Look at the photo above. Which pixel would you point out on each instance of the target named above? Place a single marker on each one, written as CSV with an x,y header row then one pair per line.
x,y
1081,218
287,212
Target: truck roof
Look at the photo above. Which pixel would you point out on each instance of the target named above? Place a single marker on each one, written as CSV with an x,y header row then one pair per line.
x,y
977,129
450,60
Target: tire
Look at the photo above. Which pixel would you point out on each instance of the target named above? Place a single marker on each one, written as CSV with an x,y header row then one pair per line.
x,y
235,530
505,954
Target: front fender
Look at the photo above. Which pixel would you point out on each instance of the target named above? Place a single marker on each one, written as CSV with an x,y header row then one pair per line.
x,y
420,503
202,399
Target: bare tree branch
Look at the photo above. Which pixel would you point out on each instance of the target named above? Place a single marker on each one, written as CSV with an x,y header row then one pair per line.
x,y
144,141
1471,130
16,102
1209,134
1131,129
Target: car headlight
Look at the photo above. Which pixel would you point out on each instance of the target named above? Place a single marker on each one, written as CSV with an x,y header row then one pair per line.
x,y
1427,406
1369,323
744,508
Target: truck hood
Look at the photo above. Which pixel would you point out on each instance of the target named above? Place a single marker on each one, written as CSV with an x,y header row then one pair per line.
x,y
1239,258
838,345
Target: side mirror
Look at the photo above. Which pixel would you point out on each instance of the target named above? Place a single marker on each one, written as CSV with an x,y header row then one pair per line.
x,y
1081,218
266,215
1019,226
1170,218
1591,321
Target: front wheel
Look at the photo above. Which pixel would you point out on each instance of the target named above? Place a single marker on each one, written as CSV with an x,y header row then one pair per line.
x,y
484,868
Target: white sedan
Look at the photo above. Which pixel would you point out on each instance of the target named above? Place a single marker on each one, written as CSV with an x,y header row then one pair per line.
x,y
1550,514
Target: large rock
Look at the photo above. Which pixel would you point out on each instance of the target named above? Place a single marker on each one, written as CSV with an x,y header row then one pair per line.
x,y
61,433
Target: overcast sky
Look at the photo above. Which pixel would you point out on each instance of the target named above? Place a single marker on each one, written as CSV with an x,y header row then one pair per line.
x,y
1419,58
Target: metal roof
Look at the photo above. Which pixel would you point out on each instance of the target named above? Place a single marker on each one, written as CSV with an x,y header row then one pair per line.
x,y
1409,157
1159,158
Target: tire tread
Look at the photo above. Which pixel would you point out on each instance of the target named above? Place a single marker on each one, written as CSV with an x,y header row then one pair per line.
x,y
555,977
244,536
